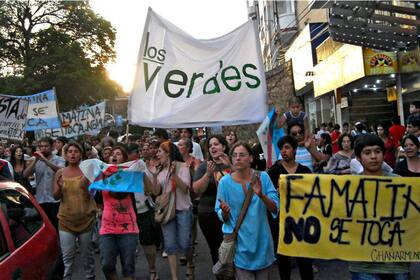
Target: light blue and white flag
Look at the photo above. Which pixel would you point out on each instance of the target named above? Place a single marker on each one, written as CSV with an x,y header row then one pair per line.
x,y
42,111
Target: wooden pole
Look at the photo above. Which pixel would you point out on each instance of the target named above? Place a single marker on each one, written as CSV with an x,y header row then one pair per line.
x,y
127,129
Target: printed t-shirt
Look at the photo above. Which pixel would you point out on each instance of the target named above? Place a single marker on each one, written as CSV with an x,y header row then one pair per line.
x,y
118,216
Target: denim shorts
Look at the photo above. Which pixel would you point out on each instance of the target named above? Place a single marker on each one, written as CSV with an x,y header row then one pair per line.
x,y
378,276
177,233
112,245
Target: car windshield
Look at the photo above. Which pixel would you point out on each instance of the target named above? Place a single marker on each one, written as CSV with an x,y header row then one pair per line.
x,y
23,218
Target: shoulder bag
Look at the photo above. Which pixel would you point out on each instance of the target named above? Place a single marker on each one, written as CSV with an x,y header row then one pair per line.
x,y
165,204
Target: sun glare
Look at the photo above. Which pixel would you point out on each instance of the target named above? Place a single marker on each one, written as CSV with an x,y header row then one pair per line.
x,y
123,75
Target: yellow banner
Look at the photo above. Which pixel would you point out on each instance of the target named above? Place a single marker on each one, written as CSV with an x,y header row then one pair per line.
x,y
357,218
391,94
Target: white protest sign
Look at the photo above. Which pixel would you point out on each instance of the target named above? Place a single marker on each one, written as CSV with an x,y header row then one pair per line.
x,y
13,113
185,82
77,122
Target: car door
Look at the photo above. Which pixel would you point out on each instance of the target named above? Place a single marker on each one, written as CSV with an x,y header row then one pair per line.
x,y
34,246
5,242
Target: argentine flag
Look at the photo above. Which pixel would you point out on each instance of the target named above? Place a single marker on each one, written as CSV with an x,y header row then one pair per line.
x,y
42,111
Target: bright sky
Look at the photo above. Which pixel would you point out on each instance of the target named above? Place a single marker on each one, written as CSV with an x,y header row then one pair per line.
x,y
203,19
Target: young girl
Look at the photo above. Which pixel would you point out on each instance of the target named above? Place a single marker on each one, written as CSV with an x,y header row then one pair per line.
x,y
295,115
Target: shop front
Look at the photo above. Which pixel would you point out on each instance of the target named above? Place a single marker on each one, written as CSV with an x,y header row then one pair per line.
x,y
366,82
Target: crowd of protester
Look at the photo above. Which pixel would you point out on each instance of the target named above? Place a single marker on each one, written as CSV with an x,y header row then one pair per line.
x,y
211,175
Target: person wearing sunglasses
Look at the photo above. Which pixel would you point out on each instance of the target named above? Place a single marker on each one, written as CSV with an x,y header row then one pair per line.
x,y
306,151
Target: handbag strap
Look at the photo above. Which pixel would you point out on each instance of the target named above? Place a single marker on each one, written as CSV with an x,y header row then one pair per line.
x,y
243,212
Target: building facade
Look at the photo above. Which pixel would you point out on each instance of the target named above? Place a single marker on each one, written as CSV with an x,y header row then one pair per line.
x,y
337,81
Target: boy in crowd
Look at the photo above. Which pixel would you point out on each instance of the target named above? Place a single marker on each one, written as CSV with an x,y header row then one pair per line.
x,y
414,109
369,150
413,126
295,115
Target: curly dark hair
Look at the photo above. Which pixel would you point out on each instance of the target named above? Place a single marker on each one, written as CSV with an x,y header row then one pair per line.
x,y
340,140
221,139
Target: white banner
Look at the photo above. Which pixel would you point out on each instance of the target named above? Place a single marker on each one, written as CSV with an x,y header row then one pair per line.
x,y
13,113
185,82
88,120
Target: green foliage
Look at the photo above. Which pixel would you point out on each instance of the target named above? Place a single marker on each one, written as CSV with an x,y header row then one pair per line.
x,y
61,44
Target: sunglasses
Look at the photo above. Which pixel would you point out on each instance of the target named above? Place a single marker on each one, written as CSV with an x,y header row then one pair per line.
x,y
296,133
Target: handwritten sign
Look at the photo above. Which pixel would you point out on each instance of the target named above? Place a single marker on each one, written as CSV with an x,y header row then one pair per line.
x,y
42,112
77,122
13,113
358,218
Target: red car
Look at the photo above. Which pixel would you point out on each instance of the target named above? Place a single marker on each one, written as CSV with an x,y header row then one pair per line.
x,y
29,247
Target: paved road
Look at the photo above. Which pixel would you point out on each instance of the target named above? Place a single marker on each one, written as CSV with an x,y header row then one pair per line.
x,y
328,270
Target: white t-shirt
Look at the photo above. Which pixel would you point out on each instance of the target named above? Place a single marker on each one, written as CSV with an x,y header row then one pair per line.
x,y
357,168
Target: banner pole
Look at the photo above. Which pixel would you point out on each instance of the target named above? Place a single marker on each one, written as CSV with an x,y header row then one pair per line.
x,y
127,129
58,107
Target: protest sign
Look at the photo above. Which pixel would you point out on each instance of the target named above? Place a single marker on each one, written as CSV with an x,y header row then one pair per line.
x,y
42,111
185,82
13,113
357,218
88,120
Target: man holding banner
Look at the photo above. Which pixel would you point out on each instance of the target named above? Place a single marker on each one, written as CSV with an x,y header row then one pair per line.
x,y
369,150
288,165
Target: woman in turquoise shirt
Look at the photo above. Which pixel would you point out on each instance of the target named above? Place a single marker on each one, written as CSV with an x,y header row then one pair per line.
x,y
254,247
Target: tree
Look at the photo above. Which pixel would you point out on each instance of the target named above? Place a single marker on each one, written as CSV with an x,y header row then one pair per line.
x,y
48,43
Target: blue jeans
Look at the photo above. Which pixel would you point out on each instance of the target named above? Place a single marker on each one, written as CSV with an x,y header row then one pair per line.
x,y
112,245
177,233
377,276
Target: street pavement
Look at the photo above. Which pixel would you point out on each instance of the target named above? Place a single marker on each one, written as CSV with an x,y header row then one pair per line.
x,y
327,270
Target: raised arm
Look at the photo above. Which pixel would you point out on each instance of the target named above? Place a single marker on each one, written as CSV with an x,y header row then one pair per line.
x,y
256,184
206,172
58,184
29,170
151,187
181,176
